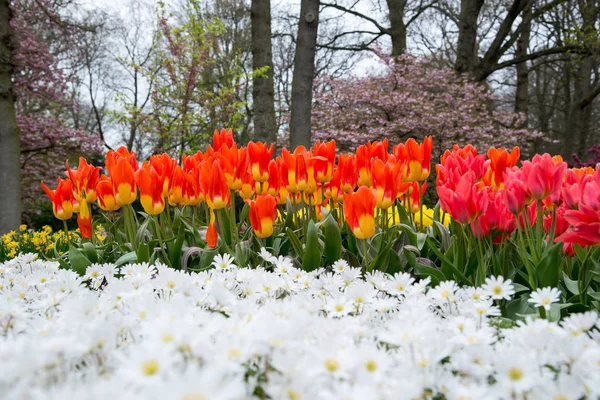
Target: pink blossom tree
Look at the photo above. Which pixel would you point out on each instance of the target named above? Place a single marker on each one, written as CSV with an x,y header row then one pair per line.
x,y
42,93
414,98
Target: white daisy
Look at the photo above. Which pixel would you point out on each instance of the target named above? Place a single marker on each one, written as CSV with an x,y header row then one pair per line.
x,y
544,297
498,288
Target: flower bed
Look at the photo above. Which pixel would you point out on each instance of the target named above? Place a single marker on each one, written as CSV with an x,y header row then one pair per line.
x,y
142,331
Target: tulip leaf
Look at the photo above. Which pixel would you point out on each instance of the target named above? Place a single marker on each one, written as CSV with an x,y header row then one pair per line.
x,y
333,240
394,264
206,258
143,252
78,261
548,268
404,218
296,244
312,252
520,288
175,250
90,252
224,225
380,260
411,257
127,258
570,284
424,271
411,234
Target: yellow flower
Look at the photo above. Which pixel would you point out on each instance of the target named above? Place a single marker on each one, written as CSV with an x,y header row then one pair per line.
x,y
23,228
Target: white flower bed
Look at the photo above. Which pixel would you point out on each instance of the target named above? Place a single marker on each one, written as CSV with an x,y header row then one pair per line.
x,y
238,333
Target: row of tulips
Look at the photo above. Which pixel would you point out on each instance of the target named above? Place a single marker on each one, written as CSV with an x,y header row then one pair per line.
x,y
311,178
538,223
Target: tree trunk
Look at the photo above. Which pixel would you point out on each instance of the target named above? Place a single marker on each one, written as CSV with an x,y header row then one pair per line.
x,y
304,70
397,26
10,145
466,49
522,92
263,93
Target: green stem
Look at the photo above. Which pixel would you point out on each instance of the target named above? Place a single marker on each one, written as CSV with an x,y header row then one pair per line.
x,y
365,254
234,229
67,238
160,240
543,313
420,186
482,268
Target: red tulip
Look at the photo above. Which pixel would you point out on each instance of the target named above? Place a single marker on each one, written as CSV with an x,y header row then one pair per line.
x,y
465,202
544,176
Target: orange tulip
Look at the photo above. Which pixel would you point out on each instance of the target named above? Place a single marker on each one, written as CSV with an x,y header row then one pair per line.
x,y
347,171
384,182
359,211
333,188
234,162
262,213
113,156
248,187
105,191
417,157
191,189
225,137
176,185
500,161
84,220
84,180
214,184
151,189
123,178
164,166
260,155
211,232
62,199
324,160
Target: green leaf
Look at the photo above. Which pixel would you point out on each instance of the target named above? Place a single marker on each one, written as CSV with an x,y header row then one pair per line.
x,y
312,251
520,288
295,243
548,268
143,252
225,229
424,271
127,258
175,250
394,263
78,261
519,306
570,284
380,261
90,252
411,234
333,240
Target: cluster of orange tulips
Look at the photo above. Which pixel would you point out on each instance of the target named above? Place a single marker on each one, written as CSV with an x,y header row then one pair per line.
x,y
308,176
